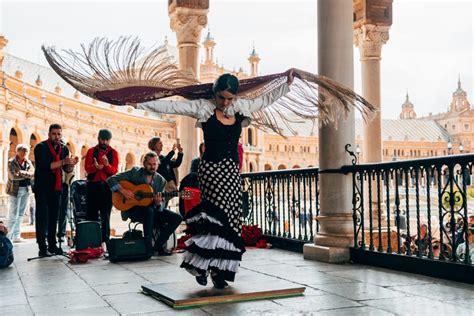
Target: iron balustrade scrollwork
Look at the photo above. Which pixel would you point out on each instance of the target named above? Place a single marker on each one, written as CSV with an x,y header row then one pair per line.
x,y
284,203
421,208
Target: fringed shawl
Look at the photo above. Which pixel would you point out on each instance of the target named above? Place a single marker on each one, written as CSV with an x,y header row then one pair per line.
x,y
122,72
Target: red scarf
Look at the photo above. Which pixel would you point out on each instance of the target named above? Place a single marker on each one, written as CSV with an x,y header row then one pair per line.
x,y
57,171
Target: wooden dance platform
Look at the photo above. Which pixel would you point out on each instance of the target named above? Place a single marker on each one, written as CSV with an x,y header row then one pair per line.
x,y
185,295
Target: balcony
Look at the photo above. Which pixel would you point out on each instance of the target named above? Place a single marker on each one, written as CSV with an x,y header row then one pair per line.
x,y
412,215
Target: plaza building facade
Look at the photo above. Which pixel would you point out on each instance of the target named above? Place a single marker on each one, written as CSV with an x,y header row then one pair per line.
x,y
32,97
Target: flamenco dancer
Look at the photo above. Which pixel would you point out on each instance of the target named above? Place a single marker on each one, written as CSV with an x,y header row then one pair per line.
x,y
221,109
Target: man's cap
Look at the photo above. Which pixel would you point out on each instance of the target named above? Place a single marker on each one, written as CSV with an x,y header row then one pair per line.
x,y
105,134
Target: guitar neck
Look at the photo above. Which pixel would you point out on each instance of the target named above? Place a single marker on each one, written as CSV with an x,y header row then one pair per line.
x,y
163,194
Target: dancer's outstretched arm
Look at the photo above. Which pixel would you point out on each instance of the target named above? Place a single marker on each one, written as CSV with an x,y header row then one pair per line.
x,y
190,108
267,99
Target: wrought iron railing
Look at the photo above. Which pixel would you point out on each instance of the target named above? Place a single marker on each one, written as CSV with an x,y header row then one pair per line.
x,y
283,203
419,208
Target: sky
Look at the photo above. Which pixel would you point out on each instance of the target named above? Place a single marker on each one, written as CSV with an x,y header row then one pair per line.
x,y
431,42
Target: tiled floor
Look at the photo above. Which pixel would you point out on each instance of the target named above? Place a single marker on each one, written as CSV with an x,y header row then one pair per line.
x,y
52,286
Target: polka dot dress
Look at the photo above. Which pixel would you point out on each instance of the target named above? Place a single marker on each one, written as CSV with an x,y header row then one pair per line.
x,y
220,185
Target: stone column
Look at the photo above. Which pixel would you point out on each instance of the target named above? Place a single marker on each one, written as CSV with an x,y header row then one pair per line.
x,y
335,60
188,18
370,38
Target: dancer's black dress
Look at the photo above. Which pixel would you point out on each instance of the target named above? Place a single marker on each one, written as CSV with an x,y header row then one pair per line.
x,y
216,245
216,223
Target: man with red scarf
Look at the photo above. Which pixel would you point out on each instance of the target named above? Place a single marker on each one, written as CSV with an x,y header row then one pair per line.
x,y
51,158
101,163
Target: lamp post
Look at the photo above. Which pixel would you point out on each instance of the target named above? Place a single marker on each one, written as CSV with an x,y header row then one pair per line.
x,y
461,148
450,147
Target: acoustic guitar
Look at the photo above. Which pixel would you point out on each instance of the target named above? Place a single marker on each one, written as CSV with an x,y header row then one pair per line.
x,y
144,196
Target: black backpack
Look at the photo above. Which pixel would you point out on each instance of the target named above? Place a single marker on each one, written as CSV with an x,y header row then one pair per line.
x,y
6,251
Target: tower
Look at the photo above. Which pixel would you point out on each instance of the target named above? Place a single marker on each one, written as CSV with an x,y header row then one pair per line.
x,y
408,110
459,102
253,59
209,45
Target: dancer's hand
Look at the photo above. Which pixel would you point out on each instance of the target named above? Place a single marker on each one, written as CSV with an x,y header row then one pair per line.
x,y
290,77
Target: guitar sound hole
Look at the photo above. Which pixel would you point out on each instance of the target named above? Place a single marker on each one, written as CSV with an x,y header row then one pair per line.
x,y
138,195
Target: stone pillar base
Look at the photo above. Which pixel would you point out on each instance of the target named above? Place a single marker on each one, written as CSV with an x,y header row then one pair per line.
x,y
326,254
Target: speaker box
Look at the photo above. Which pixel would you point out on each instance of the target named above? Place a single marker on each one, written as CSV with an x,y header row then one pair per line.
x,y
88,235
127,249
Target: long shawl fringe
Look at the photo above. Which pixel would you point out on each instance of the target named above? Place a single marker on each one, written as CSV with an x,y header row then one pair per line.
x,y
122,72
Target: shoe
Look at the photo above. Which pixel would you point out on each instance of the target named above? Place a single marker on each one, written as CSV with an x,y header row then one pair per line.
x,y
163,252
18,240
43,253
55,250
219,283
202,280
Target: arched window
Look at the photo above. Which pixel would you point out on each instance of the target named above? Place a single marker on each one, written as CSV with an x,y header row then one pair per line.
x,y
129,161
250,137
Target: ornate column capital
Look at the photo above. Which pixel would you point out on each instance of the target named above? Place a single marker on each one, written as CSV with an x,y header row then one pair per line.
x,y
370,38
188,23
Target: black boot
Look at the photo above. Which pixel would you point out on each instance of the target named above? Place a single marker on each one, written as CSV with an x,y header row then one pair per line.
x,y
219,282
202,280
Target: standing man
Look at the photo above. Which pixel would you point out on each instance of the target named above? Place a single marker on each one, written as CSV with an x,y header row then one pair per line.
x,y
167,165
153,216
20,173
101,163
51,158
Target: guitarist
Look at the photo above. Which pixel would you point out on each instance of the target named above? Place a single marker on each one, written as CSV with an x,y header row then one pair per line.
x,y
154,215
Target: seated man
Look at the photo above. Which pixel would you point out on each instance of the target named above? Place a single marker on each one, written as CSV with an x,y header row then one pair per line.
x,y
154,215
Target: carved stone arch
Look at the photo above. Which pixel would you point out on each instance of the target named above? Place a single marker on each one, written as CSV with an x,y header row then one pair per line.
x,y
82,171
267,167
35,138
72,148
15,137
282,167
253,166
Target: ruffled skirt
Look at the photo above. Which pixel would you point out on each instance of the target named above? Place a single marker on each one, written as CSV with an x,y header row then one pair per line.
x,y
216,245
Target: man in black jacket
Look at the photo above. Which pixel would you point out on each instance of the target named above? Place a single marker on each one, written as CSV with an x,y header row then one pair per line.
x,y
167,163
51,158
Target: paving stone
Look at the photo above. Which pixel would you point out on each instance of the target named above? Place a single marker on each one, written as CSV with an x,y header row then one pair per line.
x,y
16,310
309,304
366,311
82,311
119,288
112,277
135,303
12,298
416,305
265,307
52,286
463,302
440,291
66,302
359,291
382,277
